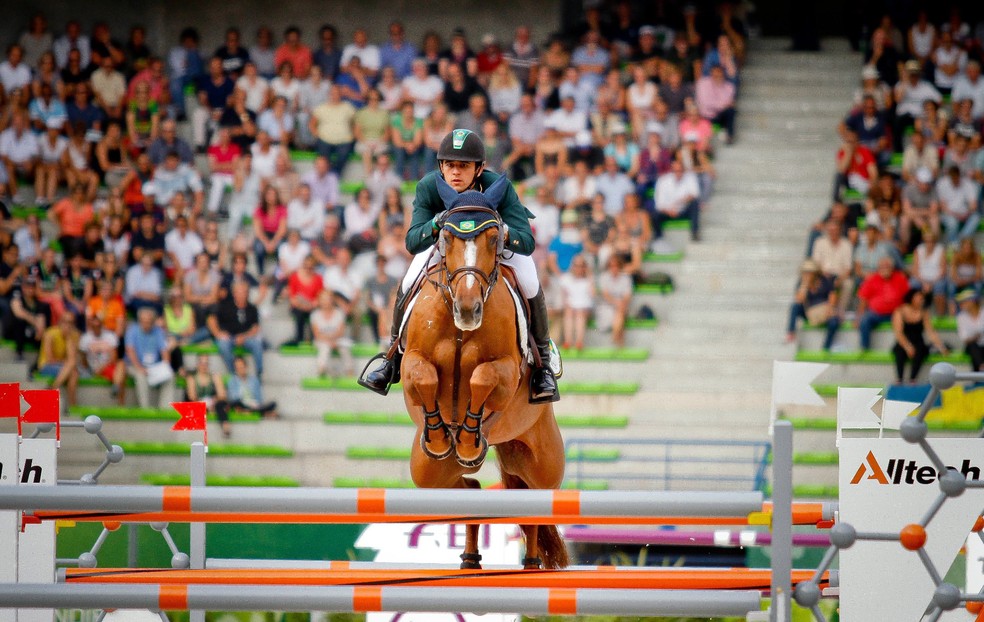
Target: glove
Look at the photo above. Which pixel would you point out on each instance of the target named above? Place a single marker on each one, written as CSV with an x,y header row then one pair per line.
x,y
438,222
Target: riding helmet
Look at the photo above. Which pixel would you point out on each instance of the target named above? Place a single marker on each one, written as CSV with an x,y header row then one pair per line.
x,y
462,145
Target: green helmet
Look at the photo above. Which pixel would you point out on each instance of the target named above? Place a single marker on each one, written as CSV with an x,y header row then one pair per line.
x,y
463,146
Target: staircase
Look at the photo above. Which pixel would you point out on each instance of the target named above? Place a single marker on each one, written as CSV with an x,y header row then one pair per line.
x,y
725,324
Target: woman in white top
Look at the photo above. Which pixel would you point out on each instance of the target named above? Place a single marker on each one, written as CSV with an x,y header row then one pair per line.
x,y
264,155
313,93
392,90
360,221
75,161
949,60
504,92
328,328
640,97
922,38
929,270
256,88
423,89
306,214
51,148
285,85
579,294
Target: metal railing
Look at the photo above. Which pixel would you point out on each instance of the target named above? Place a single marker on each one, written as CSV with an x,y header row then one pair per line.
x,y
668,464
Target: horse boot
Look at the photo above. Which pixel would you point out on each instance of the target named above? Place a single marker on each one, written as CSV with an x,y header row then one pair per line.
x,y
388,371
543,383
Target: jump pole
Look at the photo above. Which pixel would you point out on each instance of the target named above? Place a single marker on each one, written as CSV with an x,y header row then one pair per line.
x,y
531,601
207,504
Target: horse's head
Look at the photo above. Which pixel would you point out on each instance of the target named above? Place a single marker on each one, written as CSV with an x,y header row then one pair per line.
x,y
470,243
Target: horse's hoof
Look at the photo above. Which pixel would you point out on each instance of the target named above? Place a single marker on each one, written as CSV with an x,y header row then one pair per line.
x,y
471,561
532,563
441,455
478,460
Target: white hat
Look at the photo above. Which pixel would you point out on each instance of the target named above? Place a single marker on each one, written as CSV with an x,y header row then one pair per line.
x,y
924,175
655,127
870,73
583,138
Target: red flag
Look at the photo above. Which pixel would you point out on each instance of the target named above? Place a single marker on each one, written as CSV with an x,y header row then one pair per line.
x,y
43,407
192,417
9,400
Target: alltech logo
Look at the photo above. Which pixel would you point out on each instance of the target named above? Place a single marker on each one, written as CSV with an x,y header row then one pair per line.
x,y
902,471
30,473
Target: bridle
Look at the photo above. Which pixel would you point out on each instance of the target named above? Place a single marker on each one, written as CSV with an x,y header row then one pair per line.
x,y
447,279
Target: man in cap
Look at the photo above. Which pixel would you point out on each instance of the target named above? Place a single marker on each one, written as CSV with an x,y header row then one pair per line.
x,y
461,164
970,326
911,93
815,302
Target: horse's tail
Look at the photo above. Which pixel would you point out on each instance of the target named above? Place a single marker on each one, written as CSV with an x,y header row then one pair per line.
x,y
550,546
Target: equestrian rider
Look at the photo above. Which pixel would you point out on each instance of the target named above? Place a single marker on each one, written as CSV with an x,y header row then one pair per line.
x,y
461,162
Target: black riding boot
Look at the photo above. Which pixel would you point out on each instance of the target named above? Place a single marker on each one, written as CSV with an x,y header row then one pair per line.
x,y
543,384
388,371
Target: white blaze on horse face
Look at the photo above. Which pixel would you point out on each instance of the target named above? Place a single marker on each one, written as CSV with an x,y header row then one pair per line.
x,y
471,256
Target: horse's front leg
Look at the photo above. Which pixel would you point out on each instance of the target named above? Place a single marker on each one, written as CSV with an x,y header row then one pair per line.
x,y
420,382
492,386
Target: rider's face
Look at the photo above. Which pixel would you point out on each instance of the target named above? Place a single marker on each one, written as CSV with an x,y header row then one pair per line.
x,y
460,175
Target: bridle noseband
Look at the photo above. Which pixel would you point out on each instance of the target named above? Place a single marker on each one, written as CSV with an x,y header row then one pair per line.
x,y
449,278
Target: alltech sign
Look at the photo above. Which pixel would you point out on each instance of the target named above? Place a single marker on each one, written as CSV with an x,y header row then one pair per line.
x,y
901,471
886,484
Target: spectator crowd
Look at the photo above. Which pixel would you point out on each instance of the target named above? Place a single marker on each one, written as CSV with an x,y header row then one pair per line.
x,y
150,199
899,242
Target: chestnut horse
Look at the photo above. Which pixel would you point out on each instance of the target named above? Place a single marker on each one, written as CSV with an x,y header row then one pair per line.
x,y
465,378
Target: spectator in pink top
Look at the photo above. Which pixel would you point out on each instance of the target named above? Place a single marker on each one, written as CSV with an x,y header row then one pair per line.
x,y
716,101
294,52
693,123
269,226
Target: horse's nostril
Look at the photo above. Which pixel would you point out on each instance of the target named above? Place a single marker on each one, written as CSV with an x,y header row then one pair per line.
x,y
477,309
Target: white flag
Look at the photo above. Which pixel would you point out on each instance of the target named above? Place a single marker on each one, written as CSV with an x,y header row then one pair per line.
x,y
854,409
894,413
792,384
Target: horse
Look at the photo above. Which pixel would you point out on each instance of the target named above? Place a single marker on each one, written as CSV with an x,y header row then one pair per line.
x,y
465,377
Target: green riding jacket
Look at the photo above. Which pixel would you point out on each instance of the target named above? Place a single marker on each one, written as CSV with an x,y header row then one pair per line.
x,y
427,204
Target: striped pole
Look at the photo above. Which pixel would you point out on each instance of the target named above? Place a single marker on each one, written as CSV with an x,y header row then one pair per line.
x,y
628,578
530,601
681,537
209,504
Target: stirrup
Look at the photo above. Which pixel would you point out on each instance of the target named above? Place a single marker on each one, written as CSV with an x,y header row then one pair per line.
x,y
438,425
364,383
547,398
470,561
480,440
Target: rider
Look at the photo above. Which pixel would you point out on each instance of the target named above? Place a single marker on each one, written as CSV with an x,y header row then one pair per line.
x,y
461,162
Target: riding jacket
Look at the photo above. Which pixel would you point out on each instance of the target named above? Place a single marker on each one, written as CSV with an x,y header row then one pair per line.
x,y
427,204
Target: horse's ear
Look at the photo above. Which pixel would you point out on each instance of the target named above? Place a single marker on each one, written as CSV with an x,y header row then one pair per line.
x,y
446,192
496,191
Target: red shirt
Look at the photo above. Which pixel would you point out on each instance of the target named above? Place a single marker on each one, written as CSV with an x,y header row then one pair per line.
x,y
309,290
299,59
861,161
71,221
270,221
224,155
884,295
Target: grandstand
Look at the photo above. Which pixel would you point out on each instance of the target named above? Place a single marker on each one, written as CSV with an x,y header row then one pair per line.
x,y
707,311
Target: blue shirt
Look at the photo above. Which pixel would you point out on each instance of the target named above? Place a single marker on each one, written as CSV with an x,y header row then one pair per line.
x,y
147,346
400,59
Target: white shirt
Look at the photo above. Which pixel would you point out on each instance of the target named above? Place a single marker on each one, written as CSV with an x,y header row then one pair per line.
x,y
970,328
51,154
567,123
62,46
574,190
368,54
345,282
423,93
14,77
98,359
256,92
963,88
308,218
942,56
18,149
959,199
546,225
913,97
264,164
671,192
184,248
290,90
290,258
358,220
578,292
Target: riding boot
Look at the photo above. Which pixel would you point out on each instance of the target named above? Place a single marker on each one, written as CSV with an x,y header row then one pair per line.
x,y
388,371
543,383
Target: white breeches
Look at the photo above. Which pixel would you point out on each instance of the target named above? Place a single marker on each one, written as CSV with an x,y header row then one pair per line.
x,y
522,265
